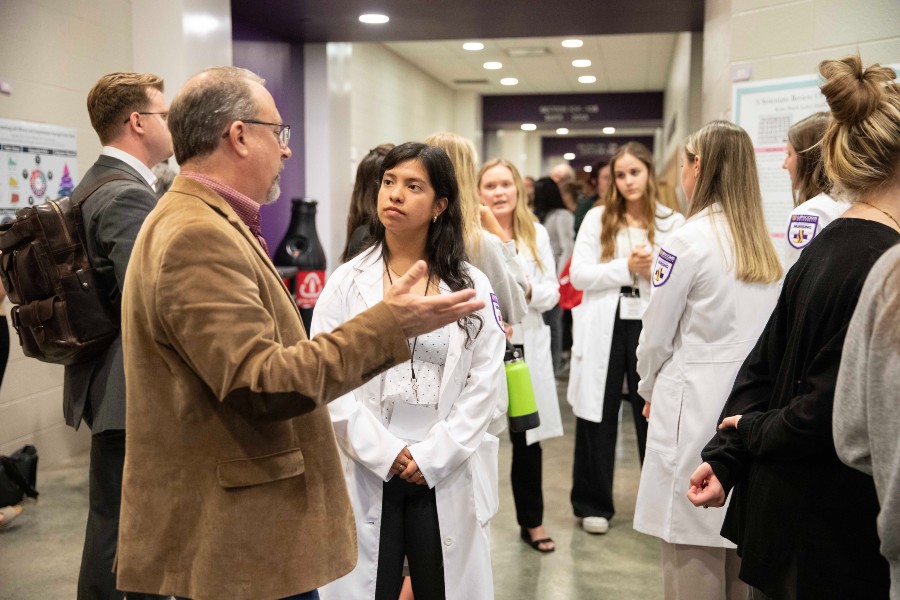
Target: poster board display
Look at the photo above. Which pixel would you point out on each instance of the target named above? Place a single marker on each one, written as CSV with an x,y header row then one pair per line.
x,y
39,162
766,110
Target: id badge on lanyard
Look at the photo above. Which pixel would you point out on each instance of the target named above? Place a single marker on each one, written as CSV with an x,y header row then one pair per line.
x,y
630,306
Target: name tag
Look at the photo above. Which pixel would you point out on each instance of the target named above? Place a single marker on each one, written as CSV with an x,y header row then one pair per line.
x,y
631,308
412,422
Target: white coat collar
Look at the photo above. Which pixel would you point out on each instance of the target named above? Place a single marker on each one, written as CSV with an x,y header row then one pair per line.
x,y
369,280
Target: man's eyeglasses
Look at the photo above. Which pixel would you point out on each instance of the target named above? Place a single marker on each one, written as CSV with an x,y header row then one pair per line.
x,y
284,130
163,115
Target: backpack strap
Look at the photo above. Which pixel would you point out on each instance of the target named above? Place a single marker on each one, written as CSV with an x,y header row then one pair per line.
x,y
16,477
80,197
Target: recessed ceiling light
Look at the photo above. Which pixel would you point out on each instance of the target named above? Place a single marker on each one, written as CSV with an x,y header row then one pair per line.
x,y
587,79
609,130
569,156
528,126
562,131
373,19
588,168
581,63
572,43
473,46
493,65
509,81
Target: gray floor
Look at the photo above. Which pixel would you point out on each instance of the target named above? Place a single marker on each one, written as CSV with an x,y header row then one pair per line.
x,y
41,552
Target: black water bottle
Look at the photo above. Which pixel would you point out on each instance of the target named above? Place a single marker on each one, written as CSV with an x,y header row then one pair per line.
x,y
301,248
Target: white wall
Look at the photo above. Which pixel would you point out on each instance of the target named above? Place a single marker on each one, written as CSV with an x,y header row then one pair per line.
x,y
52,52
358,96
784,38
682,100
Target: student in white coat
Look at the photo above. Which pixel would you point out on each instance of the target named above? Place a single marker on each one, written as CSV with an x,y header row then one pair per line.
x,y
420,466
715,282
814,208
611,263
502,190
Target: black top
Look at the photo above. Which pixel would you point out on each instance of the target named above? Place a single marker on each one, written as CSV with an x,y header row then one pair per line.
x,y
793,498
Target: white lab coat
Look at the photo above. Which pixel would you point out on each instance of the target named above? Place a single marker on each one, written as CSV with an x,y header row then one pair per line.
x,y
810,218
458,457
593,319
698,329
534,335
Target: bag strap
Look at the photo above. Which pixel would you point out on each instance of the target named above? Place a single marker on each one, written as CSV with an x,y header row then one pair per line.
x,y
82,196
16,477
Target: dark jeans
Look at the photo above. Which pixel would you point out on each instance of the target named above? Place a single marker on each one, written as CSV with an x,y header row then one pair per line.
x,y
526,480
409,528
595,443
96,581
4,345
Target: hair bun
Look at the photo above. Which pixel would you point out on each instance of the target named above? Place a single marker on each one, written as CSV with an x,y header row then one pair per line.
x,y
853,92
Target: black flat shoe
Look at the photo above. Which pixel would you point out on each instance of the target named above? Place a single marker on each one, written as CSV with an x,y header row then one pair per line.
x,y
536,544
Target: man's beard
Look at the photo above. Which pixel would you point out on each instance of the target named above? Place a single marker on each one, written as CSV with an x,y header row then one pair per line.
x,y
274,191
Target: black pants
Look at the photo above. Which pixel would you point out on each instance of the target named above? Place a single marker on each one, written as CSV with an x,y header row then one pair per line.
x,y
595,443
4,346
526,480
409,528
96,581
553,318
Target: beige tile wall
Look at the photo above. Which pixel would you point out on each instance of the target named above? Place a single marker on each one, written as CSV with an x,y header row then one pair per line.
x,y
52,51
785,38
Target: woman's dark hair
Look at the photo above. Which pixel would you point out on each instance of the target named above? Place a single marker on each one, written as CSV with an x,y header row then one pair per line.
x,y
364,199
595,172
547,197
444,247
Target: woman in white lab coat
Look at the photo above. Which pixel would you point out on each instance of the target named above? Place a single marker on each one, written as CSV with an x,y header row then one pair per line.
x,y
715,283
814,208
420,466
611,263
502,190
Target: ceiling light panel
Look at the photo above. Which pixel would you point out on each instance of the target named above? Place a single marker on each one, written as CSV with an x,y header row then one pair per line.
x,y
493,66
581,63
373,19
473,46
572,43
528,127
509,81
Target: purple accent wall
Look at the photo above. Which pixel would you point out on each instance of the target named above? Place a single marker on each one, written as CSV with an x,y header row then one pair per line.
x,y
589,150
280,63
549,111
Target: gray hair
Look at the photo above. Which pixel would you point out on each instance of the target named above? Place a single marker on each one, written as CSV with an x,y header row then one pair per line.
x,y
206,106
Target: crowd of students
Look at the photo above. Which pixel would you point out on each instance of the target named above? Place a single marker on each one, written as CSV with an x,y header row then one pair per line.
x,y
730,366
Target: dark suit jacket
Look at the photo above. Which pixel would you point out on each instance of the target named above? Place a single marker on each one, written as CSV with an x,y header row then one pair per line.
x,y
95,390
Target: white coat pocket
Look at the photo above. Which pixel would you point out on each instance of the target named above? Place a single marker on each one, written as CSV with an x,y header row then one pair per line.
x,y
485,469
665,416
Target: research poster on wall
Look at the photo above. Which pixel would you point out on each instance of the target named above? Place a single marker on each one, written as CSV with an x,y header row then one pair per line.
x,y
766,110
39,162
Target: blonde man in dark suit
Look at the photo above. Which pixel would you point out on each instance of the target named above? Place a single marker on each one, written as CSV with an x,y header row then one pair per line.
x,y
128,111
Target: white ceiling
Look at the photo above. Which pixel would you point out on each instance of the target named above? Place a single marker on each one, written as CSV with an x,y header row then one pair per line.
x,y
621,63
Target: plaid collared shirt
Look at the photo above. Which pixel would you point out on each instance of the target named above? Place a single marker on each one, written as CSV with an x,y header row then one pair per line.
x,y
246,209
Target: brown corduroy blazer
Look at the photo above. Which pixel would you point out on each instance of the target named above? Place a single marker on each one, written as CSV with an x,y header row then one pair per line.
x,y
233,487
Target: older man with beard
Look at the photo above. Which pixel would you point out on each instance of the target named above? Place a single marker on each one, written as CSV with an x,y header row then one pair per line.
x,y
233,486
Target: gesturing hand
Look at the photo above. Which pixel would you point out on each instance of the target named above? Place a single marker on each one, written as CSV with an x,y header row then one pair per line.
x,y
705,488
419,314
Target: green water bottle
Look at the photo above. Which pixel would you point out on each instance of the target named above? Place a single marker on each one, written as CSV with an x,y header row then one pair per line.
x,y
522,411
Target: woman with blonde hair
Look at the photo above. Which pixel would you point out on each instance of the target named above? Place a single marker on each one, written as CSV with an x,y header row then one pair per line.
x,y
611,263
715,281
487,246
814,208
503,192
805,523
